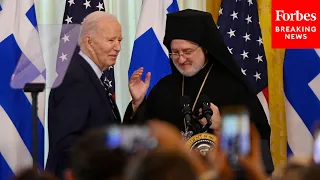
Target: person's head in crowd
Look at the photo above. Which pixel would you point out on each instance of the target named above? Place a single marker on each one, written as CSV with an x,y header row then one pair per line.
x,y
100,38
32,174
161,165
295,169
91,158
169,140
251,164
313,172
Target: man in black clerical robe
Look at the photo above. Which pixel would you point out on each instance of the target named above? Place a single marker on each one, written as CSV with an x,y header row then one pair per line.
x,y
199,57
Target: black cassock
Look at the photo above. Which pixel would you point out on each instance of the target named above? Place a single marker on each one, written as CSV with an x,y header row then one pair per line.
x,y
224,86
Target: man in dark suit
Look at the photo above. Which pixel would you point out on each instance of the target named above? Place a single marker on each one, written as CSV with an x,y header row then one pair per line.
x,y
84,100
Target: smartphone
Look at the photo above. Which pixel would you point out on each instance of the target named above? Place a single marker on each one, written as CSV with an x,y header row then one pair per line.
x,y
133,139
316,145
235,133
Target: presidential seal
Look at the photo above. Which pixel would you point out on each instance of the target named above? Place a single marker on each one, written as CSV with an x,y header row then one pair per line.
x,y
202,143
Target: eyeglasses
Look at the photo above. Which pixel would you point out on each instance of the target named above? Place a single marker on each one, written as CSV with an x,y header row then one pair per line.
x,y
186,54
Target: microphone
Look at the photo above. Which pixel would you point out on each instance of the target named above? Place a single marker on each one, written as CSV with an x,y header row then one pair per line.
x,y
206,111
186,111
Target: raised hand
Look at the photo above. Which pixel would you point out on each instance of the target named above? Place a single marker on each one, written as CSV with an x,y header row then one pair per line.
x,y
138,88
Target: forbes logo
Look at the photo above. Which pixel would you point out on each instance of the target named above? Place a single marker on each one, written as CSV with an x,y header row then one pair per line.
x,y
296,16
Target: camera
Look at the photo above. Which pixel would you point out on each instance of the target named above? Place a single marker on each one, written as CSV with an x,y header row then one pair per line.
x,y
132,139
235,133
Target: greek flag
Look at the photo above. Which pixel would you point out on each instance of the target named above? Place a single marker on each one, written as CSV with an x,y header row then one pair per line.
x,y
18,22
302,98
148,49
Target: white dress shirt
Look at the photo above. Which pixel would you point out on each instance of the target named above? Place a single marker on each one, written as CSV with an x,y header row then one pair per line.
x,y
92,64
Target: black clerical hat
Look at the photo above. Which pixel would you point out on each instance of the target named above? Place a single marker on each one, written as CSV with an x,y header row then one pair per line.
x,y
199,27
189,24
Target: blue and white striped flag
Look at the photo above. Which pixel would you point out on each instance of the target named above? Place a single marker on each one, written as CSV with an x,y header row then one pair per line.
x,y
148,49
18,22
302,98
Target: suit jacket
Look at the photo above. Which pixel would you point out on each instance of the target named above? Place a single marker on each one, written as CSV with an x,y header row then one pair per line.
x,y
79,104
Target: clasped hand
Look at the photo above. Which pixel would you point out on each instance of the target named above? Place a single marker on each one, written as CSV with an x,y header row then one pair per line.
x,y
215,118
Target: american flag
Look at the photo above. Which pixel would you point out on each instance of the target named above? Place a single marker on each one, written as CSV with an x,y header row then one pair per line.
x,y
74,13
239,25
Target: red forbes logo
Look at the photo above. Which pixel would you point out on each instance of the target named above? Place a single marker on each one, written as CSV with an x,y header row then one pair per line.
x,y
295,24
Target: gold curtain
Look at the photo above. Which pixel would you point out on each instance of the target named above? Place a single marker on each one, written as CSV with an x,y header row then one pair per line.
x,y
275,77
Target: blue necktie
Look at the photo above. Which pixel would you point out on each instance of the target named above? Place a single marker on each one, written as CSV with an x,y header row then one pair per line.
x,y
107,86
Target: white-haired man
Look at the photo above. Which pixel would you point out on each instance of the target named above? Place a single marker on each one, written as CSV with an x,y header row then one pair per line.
x,y
84,100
